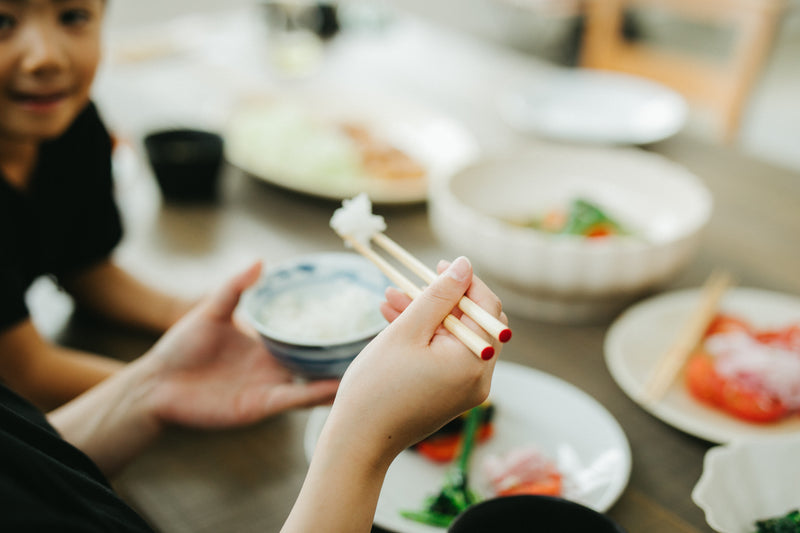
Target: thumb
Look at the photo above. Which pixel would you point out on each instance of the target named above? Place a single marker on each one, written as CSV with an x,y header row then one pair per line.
x,y
427,312
224,301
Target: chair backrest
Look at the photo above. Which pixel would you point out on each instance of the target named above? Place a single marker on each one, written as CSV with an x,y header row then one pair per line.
x,y
722,86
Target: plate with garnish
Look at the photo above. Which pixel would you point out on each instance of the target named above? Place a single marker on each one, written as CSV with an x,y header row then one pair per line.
x,y
338,143
539,423
753,343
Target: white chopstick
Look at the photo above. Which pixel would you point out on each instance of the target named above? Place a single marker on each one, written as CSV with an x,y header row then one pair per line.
x,y
481,316
672,361
471,340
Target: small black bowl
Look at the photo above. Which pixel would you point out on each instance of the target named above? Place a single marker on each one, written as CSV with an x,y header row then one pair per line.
x,y
532,514
186,163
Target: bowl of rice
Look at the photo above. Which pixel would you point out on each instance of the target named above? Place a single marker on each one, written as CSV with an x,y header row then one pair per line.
x,y
315,313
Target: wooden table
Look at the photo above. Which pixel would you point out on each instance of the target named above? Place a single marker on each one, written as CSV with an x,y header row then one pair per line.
x,y
246,480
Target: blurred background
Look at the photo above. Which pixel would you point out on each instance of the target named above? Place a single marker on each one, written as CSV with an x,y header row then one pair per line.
x,y
770,123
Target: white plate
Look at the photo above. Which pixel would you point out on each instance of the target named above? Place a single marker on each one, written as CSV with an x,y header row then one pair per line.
x,y
439,144
594,106
641,334
765,472
533,408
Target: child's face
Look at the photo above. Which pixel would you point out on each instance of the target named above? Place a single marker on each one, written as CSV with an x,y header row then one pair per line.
x,y
49,51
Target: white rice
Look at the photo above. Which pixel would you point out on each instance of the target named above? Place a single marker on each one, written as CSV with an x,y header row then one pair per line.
x,y
327,313
355,219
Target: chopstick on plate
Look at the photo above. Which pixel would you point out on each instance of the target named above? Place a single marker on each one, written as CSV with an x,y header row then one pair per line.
x,y
471,340
672,361
481,316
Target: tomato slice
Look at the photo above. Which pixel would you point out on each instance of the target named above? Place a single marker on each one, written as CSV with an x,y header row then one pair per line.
x,y
702,379
548,486
788,337
751,405
727,323
443,448
743,402
792,337
600,230
439,449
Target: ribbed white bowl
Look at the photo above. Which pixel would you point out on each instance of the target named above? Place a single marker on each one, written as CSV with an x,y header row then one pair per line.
x,y
569,278
749,480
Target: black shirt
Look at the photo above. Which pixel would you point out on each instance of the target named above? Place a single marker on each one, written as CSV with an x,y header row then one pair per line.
x,y
66,220
46,484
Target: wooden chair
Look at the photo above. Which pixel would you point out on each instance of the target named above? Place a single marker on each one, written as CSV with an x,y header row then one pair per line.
x,y
719,87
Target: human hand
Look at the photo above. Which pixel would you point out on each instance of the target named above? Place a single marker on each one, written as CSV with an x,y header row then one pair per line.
x,y
409,381
204,372
415,376
210,374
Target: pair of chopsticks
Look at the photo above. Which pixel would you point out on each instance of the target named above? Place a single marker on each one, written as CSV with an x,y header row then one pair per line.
x,y
472,340
673,360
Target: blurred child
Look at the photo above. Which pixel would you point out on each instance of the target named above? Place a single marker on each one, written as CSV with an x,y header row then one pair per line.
x,y
57,212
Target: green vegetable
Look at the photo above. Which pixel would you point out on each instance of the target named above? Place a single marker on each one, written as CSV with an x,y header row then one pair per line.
x,y
585,216
789,523
455,495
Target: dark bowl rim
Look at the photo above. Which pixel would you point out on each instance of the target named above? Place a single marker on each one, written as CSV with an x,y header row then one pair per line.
x,y
168,132
561,501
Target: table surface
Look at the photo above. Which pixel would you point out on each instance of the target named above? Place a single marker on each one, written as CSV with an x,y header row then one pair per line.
x,y
246,480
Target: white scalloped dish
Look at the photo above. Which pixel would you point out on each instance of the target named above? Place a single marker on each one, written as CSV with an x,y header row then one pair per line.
x,y
749,480
569,278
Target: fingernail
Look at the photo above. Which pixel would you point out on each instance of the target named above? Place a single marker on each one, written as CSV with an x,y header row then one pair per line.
x,y
459,269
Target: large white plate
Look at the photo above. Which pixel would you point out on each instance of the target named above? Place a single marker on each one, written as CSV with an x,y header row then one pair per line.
x,y
438,143
533,408
585,105
642,333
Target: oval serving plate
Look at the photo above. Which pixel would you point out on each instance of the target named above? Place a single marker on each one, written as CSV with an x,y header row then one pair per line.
x,y
293,142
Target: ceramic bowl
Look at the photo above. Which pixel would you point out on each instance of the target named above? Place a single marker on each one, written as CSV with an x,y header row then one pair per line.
x,y
570,278
532,514
748,480
315,313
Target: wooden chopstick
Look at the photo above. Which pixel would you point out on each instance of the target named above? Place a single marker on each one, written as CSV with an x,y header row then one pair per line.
x,y
481,316
672,361
471,340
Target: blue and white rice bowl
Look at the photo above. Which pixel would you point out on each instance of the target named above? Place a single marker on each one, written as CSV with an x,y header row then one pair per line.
x,y
317,312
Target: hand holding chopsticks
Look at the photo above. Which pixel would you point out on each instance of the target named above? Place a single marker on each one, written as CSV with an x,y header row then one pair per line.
x,y
673,359
356,224
483,318
471,340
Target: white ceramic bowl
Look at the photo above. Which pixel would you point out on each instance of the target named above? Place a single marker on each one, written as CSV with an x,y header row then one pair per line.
x,y
749,480
318,334
565,278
